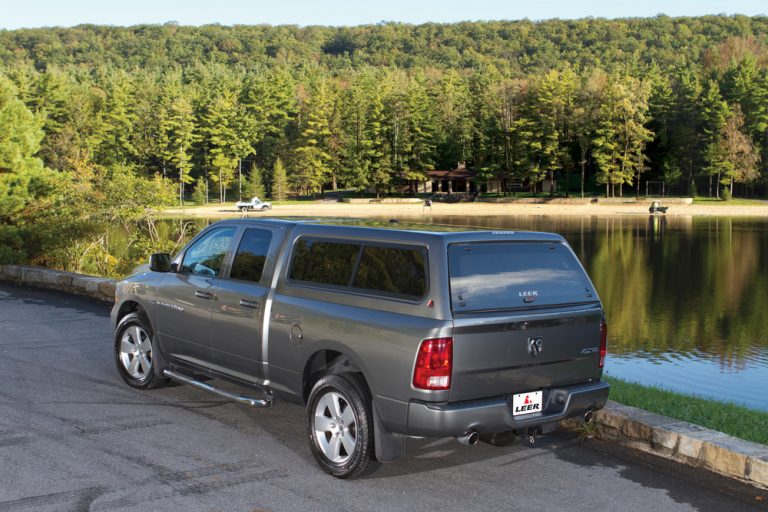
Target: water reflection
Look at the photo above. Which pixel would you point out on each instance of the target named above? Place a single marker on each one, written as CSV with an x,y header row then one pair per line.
x,y
686,298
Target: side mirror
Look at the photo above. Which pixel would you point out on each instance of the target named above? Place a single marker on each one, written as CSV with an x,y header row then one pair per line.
x,y
160,262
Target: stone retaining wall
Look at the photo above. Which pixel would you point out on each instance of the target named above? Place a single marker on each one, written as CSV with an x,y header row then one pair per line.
x,y
383,200
684,442
101,288
537,200
644,200
587,200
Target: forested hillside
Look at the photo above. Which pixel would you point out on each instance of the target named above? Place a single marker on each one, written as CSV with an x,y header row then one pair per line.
x,y
601,105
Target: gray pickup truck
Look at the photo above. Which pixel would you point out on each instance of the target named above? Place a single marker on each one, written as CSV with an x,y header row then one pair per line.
x,y
381,333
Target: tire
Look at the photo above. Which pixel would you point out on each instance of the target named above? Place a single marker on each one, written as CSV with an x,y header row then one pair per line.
x,y
243,209
134,346
339,422
500,439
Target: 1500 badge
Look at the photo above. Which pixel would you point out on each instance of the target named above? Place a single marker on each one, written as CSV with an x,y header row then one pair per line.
x,y
169,306
590,350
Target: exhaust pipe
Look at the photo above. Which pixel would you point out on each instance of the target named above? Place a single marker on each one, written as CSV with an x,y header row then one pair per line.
x,y
589,416
469,439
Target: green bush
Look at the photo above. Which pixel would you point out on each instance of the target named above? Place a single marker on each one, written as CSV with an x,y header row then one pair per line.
x,y
726,194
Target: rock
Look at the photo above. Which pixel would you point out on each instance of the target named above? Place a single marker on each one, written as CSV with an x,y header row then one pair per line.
x,y
724,460
757,469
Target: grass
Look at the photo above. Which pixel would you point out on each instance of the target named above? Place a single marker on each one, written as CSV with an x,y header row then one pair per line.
x,y
731,419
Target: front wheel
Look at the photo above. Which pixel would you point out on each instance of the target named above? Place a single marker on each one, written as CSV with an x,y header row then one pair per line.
x,y
133,352
340,426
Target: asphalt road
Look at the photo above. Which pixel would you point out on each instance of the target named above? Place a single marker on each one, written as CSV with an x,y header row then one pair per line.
x,y
74,437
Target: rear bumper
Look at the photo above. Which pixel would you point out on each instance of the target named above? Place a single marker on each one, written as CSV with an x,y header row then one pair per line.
x,y
493,415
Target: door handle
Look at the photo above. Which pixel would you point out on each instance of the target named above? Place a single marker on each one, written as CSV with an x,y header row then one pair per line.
x,y
203,295
250,303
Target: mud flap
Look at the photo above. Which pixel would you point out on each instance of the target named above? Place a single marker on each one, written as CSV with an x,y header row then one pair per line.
x,y
389,447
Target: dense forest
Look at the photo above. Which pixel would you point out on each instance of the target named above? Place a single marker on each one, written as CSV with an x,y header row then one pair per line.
x,y
93,117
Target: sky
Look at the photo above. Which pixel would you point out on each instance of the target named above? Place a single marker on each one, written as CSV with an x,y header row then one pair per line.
x,y
41,13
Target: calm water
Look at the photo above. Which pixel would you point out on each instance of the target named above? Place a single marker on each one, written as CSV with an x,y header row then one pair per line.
x,y
686,298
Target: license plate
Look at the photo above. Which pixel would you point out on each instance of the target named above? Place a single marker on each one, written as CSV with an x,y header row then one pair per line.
x,y
526,403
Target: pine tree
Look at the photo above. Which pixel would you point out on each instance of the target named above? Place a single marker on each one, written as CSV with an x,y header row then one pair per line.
x,y
254,185
279,181
685,140
218,131
312,163
621,134
553,113
20,136
585,115
199,191
177,130
119,119
714,114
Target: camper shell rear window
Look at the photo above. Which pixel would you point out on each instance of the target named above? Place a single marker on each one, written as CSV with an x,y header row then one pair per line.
x,y
487,276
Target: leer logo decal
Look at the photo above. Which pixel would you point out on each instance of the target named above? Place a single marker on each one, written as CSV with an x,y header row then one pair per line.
x,y
527,406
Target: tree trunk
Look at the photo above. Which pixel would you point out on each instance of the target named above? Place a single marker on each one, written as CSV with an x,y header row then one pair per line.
x,y
551,184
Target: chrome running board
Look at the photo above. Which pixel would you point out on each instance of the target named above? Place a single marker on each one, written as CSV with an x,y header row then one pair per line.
x,y
254,402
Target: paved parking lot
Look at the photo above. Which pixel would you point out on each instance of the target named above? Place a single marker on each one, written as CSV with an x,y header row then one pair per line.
x,y
74,437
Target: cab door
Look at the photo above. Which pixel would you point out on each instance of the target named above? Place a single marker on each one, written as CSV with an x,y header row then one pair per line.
x,y
186,297
238,312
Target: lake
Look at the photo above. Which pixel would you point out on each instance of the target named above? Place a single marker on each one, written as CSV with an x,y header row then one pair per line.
x,y
686,298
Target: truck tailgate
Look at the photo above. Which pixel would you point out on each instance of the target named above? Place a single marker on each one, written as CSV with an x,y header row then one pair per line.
x,y
493,356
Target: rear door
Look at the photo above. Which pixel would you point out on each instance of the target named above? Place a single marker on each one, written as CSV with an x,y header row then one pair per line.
x,y
526,317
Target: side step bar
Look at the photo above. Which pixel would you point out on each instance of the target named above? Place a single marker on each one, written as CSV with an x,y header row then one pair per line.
x,y
255,402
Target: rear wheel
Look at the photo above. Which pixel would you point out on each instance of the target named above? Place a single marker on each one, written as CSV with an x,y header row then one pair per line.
x,y
340,426
134,348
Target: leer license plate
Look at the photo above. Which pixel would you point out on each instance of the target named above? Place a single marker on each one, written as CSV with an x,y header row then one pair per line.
x,y
526,403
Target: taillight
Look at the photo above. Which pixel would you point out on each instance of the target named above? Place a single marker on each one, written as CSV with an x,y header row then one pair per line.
x,y
433,364
603,342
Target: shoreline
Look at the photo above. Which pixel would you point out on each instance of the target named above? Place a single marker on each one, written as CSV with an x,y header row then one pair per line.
x,y
417,210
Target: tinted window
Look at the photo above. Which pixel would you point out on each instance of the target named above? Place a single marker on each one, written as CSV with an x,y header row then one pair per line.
x,y
206,255
392,270
251,255
323,262
487,276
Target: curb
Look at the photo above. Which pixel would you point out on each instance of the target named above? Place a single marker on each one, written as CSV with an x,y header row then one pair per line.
x,y
683,442
100,288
